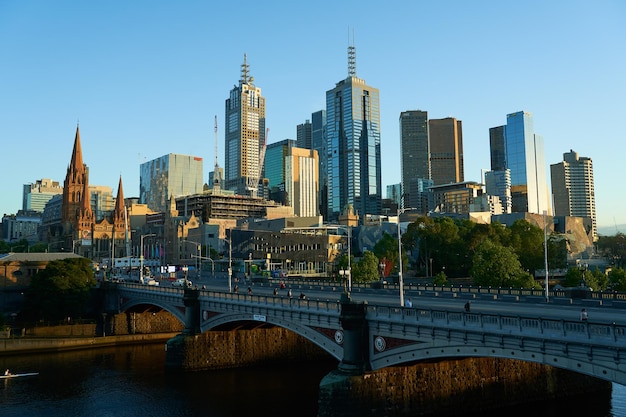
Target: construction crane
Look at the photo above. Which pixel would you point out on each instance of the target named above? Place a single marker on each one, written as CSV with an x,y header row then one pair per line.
x,y
253,181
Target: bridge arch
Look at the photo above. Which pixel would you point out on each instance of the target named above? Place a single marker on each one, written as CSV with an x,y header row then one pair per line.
x,y
313,335
176,312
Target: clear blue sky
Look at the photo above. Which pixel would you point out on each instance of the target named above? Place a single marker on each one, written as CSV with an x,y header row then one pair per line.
x,y
146,78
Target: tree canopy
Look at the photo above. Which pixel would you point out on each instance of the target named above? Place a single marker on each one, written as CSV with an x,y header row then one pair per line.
x,y
59,291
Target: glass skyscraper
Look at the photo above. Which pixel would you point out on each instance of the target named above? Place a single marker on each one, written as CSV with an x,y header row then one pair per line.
x,y
524,157
169,176
245,134
353,138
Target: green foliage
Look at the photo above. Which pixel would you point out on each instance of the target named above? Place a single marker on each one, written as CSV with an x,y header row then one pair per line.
x,y
61,290
527,242
440,279
617,279
498,266
573,277
387,247
613,248
366,269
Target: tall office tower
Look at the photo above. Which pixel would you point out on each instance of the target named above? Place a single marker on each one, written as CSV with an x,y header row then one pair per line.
x,y
393,193
36,195
497,148
498,180
353,137
524,157
245,135
414,162
274,168
445,139
171,175
573,188
101,197
304,135
318,143
302,182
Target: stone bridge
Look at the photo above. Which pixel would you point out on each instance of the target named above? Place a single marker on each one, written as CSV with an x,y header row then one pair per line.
x,y
367,337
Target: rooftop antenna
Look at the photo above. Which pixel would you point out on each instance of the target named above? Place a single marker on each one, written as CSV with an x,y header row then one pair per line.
x,y
351,56
245,68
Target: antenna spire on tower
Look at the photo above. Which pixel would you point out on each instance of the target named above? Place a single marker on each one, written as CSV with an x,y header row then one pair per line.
x,y
245,68
351,56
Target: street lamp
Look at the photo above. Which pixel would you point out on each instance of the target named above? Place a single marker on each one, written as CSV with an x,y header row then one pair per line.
x,y
347,272
400,279
141,255
230,262
197,245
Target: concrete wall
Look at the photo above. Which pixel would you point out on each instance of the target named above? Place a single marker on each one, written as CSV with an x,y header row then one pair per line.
x,y
239,348
452,387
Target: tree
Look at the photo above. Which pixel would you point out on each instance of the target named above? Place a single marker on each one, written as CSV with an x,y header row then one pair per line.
x,y
617,279
527,242
387,248
61,290
366,269
573,277
440,279
498,266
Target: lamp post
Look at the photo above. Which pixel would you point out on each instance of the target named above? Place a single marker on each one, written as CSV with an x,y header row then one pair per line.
x,y
400,280
141,255
198,255
230,262
347,272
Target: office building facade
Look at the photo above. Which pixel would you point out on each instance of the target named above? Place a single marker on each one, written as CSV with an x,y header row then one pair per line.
x,y
275,169
301,181
244,135
524,158
169,176
318,143
353,141
445,139
573,189
414,161
37,194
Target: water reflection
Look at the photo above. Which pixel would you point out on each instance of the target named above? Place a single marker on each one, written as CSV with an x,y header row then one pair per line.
x,y
131,381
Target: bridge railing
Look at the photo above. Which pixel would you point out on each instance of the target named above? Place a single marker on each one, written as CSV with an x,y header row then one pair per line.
x,y
244,298
590,332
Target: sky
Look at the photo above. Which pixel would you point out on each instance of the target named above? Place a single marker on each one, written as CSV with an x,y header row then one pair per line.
x,y
146,78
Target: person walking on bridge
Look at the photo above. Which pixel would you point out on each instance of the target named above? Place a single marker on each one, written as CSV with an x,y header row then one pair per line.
x,y
583,315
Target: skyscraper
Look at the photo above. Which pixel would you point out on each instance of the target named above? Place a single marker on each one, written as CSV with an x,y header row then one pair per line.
x,y
414,162
301,181
525,158
304,134
573,188
245,134
171,175
318,143
445,138
498,180
353,137
275,170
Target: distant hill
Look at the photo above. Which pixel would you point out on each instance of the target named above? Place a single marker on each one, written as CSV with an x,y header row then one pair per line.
x,y
611,230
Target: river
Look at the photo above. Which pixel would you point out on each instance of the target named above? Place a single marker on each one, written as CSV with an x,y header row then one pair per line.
x,y
131,381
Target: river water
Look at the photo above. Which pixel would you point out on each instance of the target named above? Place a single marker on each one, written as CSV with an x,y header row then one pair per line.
x,y
131,381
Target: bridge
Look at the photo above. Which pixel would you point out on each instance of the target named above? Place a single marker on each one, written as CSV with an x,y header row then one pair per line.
x,y
369,331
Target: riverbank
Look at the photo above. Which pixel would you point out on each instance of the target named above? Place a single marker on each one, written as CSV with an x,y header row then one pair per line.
x,y
25,345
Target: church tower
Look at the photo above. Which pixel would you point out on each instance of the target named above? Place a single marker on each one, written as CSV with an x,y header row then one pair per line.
x,y
76,213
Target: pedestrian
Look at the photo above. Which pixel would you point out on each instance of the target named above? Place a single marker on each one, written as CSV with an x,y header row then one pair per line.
x,y
249,291
236,289
583,315
467,307
302,296
408,303
275,291
289,293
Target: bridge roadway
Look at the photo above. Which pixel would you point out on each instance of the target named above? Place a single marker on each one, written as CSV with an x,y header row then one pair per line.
x,y
436,326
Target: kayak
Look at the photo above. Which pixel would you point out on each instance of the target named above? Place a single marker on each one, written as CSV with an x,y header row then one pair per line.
x,y
18,375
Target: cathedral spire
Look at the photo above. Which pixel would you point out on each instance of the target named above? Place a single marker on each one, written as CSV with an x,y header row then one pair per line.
x,y
119,201
77,153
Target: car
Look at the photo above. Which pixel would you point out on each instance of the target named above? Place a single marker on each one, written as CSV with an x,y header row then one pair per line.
x,y
180,282
151,281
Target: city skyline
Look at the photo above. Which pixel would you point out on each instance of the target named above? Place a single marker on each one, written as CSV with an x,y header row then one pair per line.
x,y
146,79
